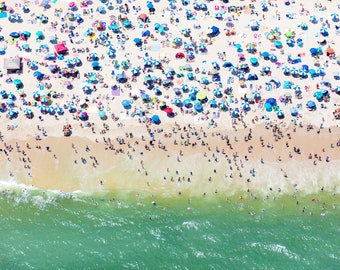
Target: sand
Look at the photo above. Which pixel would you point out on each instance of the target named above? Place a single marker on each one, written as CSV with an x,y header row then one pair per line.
x,y
140,163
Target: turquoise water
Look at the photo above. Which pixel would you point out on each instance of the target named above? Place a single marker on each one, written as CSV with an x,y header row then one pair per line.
x,y
115,231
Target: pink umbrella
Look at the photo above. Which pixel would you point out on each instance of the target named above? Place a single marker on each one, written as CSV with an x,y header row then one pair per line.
x,y
72,4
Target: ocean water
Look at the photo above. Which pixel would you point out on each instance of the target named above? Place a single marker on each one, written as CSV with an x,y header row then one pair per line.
x,y
49,230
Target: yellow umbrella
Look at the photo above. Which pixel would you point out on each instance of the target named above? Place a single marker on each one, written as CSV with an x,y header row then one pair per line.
x,y
201,95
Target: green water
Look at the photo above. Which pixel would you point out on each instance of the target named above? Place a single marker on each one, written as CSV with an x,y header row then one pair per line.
x,y
53,231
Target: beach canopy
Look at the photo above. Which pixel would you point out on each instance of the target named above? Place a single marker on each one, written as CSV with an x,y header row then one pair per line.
x,y
311,105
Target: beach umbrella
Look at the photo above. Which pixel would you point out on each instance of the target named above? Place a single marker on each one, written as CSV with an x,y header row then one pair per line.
x,y
213,103
3,94
13,113
187,103
313,19
127,23
177,41
157,63
42,108
293,111
32,65
38,75
324,31
311,105
337,90
186,32
14,34
235,113
202,47
59,110
214,31
254,61
233,70
145,97
187,47
278,44
218,93
102,115
271,101
303,73
318,95
126,104
280,114
185,87
245,106
198,107
135,71
223,106
10,102
11,96
157,90
155,119
294,72
257,95
17,82
290,42
286,70
273,58
114,27
50,110
146,33
168,110
178,102
87,89
252,77
335,17
36,95
215,65
28,111
268,107
336,75
138,42
82,115
321,71
201,95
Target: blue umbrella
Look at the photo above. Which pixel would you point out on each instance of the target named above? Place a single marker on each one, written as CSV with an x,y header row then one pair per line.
x,y
36,95
28,111
177,41
223,106
178,102
146,33
155,119
321,72
235,113
273,58
14,34
59,110
185,88
87,89
265,55
11,96
293,111
311,105
157,90
213,103
50,110
256,95
4,94
135,71
271,101
280,114
126,104
102,115
217,92
324,31
335,17
286,70
290,42
313,19
198,107
13,113
245,106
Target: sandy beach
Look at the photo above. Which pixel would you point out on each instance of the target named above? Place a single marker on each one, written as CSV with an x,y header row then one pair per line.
x,y
182,99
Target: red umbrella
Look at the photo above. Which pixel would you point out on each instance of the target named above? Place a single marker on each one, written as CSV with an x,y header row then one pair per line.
x,y
168,110
180,55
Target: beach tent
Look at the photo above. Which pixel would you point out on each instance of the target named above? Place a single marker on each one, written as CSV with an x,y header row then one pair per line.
x,y
121,78
60,48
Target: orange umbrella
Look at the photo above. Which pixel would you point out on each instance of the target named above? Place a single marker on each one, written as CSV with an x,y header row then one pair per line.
x,y
330,50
